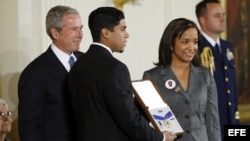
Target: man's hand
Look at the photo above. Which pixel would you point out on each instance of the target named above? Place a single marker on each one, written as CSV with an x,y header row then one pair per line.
x,y
169,136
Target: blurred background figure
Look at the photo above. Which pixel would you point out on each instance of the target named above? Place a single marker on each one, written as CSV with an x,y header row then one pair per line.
x,y
5,120
211,17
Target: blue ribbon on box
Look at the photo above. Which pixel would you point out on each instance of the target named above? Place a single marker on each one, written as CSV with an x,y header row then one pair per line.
x,y
167,116
162,118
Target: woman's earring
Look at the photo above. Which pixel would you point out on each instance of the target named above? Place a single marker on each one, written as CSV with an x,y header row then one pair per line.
x,y
171,48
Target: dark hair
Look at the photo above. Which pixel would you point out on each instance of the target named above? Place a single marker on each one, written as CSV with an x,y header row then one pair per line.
x,y
201,8
104,17
55,16
174,29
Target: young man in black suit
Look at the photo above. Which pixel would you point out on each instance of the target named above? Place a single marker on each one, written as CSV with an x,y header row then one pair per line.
x,y
44,111
100,86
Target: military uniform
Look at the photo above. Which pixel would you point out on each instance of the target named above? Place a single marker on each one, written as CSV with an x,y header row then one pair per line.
x,y
223,69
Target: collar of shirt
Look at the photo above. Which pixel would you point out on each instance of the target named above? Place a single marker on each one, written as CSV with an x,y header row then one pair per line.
x,y
210,40
102,45
62,56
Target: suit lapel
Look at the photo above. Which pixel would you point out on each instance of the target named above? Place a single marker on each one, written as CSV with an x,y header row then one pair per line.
x,y
53,61
168,74
194,78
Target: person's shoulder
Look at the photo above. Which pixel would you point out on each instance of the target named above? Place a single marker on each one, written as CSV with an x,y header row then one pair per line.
x,y
203,69
38,64
203,43
225,43
200,69
78,53
35,63
153,70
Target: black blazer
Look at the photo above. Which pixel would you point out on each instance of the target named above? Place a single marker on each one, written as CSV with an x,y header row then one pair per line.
x,y
43,109
100,87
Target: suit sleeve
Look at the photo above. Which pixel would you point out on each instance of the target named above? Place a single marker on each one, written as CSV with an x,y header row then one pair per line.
x,y
30,106
119,99
212,114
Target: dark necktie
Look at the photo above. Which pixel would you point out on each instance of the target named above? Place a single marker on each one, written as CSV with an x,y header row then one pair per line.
x,y
217,48
71,61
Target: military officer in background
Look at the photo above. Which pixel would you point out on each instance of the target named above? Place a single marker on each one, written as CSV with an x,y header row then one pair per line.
x,y
217,55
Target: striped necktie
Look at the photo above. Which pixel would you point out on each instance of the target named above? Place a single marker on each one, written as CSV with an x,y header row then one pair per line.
x,y
71,61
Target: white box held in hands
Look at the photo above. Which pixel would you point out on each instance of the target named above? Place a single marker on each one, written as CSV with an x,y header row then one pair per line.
x,y
157,110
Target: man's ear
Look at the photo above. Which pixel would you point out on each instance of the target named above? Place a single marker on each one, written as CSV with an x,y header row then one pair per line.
x,y
202,21
54,32
105,33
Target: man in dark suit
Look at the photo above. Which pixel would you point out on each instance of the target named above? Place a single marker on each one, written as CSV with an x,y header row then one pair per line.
x,y
217,55
44,110
100,86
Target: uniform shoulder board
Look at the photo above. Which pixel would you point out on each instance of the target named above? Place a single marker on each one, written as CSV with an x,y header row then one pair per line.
x,y
207,59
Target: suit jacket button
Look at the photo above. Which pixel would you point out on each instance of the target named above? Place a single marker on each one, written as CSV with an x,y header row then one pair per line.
x,y
187,116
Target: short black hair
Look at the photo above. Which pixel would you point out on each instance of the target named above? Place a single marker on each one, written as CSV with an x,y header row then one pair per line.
x,y
201,8
104,17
